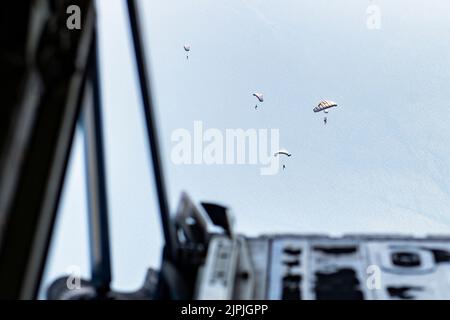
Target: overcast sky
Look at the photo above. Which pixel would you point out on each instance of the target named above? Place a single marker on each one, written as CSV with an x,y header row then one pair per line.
x,y
380,164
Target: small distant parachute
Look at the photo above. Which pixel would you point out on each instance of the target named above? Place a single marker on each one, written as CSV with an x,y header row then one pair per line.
x,y
282,152
324,105
260,98
187,48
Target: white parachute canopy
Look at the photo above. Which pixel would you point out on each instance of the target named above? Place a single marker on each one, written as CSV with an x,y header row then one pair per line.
x,y
324,105
282,152
259,96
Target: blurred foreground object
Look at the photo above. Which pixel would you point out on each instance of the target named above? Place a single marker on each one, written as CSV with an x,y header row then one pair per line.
x,y
42,77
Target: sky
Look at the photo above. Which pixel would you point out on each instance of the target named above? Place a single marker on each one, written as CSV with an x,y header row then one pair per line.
x,y
378,166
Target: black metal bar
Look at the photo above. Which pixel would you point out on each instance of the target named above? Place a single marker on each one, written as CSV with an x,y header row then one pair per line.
x,y
28,212
151,127
96,180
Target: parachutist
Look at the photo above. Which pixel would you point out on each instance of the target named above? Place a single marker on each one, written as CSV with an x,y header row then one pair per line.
x,y
256,107
284,166
325,120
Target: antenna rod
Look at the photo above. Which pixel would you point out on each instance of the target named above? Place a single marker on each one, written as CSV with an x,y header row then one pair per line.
x,y
151,127
96,179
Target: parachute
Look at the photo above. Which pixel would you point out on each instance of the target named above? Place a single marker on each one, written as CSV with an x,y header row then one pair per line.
x,y
260,98
187,48
324,105
282,152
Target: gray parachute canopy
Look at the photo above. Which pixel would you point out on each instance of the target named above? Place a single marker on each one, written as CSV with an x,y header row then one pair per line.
x,y
324,105
259,96
282,152
187,47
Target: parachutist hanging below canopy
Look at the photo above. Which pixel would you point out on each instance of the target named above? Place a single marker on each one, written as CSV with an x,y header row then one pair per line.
x,y
260,98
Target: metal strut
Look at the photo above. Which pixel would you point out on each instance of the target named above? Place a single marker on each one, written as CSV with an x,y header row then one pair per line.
x,y
96,180
142,69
